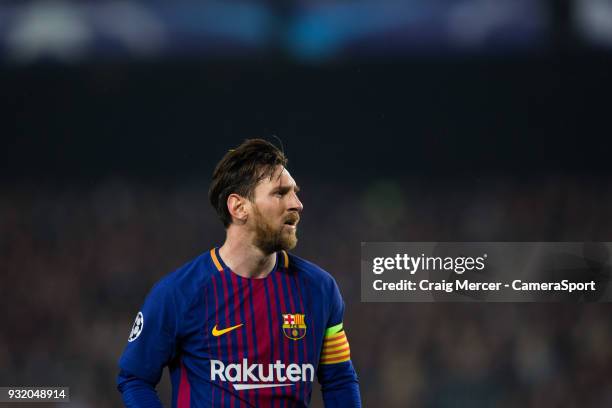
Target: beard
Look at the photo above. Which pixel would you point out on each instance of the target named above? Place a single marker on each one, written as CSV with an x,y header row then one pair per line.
x,y
270,239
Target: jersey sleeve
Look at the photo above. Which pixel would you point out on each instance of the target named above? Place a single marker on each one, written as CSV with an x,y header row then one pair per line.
x,y
137,393
336,374
152,341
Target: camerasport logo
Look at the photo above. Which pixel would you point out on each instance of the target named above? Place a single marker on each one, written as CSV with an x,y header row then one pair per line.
x,y
247,376
137,327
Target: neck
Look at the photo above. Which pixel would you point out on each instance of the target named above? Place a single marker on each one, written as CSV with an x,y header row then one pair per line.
x,y
244,258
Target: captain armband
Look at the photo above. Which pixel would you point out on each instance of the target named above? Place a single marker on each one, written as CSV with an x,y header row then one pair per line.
x,y
335,346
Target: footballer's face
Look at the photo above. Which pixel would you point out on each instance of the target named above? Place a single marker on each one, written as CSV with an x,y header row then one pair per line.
x,y
275,212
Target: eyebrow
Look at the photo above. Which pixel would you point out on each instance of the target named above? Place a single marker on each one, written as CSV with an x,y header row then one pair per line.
x,y
284,189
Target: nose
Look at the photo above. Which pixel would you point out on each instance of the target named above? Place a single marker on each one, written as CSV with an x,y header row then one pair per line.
x,y
296,204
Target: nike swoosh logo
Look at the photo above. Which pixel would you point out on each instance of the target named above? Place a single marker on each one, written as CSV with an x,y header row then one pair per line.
x,y
221,332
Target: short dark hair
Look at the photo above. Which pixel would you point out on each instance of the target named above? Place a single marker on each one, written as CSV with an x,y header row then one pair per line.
x,y
240,170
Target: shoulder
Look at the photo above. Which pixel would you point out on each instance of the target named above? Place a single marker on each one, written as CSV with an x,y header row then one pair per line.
x,y
312,273
322,287
186,282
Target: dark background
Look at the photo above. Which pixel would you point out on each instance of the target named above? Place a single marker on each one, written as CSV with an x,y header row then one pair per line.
x,y
352,120
106,159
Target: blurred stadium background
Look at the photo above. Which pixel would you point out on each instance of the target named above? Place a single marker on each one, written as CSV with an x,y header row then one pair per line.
x,y
403,120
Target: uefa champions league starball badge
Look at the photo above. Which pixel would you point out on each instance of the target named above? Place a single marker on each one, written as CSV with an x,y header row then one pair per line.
x,y
137,327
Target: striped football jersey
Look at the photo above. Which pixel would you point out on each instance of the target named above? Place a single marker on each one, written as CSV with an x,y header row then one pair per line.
x,y
231,341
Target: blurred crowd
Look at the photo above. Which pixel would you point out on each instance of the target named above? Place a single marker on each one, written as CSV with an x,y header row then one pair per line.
x,y
77,261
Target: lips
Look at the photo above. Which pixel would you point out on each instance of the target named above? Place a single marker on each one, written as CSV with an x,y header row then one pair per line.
x,y
292,221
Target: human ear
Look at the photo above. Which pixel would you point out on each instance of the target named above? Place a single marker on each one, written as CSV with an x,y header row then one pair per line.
x,y
236,206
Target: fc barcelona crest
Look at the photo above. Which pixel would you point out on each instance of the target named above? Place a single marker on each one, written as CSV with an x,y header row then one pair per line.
x,y
294,326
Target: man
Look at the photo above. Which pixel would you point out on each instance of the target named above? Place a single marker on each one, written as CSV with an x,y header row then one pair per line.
x,y
246,324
